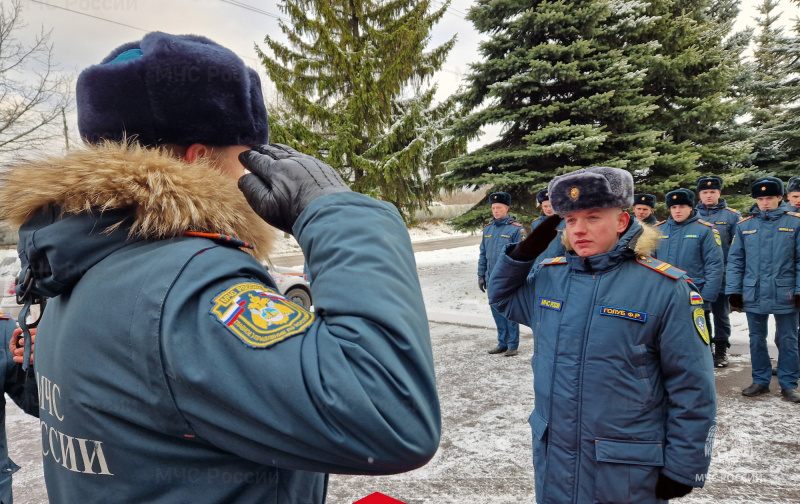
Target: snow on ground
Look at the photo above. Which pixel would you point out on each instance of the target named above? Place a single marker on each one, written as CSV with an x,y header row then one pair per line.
x,y
485,452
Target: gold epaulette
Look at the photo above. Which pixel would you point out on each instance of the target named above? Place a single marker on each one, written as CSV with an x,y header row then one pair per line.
x,y
5,316
659,223
554,260
661,266
794,214
487,224
701,221
517,224
745,219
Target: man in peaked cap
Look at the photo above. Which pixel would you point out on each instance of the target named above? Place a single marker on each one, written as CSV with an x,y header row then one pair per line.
x,y
693,245
644,206
713,209
200,382
608,317
504,229
764,280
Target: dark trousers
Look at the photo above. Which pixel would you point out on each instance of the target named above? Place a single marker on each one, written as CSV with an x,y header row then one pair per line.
x,y
721,331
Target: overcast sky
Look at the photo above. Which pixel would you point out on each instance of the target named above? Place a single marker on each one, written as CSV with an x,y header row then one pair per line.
x,y
85,31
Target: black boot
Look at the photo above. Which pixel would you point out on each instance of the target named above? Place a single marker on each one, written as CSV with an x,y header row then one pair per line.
x,y
720,358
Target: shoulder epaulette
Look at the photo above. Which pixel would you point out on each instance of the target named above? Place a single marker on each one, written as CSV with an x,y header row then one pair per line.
x,y
701,221
517,224
5,316
745,219
554,260
794,214
732,209
661,266
659,223
487,224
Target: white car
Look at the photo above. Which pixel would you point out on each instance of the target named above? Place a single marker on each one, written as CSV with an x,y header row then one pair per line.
x,y
292,285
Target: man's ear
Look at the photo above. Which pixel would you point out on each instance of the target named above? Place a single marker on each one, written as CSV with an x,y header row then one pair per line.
x,y
197,151
622,224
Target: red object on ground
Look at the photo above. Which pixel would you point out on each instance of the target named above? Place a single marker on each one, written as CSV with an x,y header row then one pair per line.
x,y
378,498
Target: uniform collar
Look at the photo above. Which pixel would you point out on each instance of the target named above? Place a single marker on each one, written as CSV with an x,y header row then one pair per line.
x,y
770,215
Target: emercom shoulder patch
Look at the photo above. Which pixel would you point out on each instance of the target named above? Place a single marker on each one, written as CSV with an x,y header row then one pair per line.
x,y
259,316
699,317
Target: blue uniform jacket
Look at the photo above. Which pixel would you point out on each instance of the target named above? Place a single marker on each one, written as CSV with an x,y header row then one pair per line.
x,y
763,261
496,235
23,392
695,247
623,379
174,372
724,220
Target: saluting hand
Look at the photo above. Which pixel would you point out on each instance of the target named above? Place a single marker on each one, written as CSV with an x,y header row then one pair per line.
x,y
283,182
539,239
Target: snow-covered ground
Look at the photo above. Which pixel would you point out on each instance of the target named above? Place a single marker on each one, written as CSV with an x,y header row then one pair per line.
x,y
485,452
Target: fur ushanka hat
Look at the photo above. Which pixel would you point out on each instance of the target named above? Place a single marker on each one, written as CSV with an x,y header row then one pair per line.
x,y
767,186
595,187
179,89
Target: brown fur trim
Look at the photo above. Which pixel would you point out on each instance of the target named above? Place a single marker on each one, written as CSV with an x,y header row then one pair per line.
x,y
646,245
167,195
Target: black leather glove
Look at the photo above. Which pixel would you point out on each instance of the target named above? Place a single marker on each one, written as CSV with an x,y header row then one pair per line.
x,y
797,300
482,283
283,182
538,241
667,488
737,302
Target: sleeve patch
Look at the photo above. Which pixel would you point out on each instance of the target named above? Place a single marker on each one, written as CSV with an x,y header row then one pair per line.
x,y
259,316
699,317
717,239
695,298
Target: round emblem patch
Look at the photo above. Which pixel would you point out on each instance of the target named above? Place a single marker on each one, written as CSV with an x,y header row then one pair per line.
x,y
699,317
574,193
763,188
709,183
675,196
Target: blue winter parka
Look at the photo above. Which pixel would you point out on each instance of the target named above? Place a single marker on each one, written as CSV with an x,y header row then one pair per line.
x,y
173,371
24,394
496,235
763,260
623,379
724,220
695,247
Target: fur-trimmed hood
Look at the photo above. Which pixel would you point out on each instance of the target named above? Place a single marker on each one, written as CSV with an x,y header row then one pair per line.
x,y
166,196
74,211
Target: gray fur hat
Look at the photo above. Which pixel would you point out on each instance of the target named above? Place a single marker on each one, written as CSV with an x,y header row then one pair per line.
x,y
595,187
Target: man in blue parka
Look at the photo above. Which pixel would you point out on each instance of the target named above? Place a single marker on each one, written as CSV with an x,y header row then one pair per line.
x,y
543,199
763,277
171,368
691,244
644,206
624,401
24,394
713,209
504,229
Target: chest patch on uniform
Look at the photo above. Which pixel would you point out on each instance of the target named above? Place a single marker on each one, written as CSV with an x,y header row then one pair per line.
x,y
691,236
786,230
258,315
487,236
699,317
622,313
550,304
695,298
751,231
720,222
505,236
664,237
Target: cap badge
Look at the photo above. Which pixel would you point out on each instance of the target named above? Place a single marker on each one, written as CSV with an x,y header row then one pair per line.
x,y
674,196
709,182
642,198
574,193
763,188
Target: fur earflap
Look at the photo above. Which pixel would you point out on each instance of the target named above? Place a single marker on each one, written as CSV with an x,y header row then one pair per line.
x,y
167,196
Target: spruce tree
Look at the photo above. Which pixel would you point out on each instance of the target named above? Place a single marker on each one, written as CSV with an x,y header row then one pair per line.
x,y
558,76
785,128
352,89
694,77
